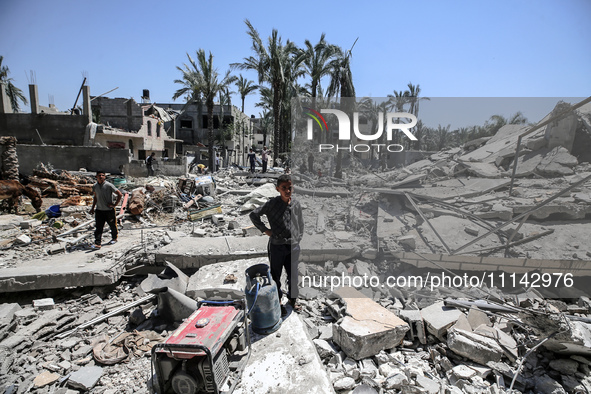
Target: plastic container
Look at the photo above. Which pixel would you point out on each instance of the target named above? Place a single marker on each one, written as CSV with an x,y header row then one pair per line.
x,y
265,315
53,211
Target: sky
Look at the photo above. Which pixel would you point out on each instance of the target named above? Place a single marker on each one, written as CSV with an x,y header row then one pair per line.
x,y
500,48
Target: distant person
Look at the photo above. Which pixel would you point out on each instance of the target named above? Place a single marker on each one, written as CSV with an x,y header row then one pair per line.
x,y
149,163
252,158
105,208
201,169
311,163
217,162
264,158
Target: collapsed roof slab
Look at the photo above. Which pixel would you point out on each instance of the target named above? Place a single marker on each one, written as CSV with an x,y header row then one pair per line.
x,y
285,362
451,188
75,269
193,252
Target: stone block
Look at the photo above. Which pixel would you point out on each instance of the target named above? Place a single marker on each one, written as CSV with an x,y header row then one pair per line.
x,y
368,327
85,378
26,224
475,347
23,239
198,232
45,378
44,304
439,318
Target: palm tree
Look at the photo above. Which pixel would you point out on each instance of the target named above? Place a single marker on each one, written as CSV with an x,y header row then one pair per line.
x,y
271,63
341,83
200,77
14,94
396,102
414,100
318,62
245,87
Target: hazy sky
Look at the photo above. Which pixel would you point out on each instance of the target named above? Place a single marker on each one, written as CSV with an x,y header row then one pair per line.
x,y
537,48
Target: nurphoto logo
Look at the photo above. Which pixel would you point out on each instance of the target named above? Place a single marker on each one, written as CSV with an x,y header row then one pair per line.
x,y
392,123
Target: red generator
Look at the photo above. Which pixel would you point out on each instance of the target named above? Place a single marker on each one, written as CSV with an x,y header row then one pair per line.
x,y
206,354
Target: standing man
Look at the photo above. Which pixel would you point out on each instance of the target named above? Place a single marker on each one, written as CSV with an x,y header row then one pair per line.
x,y
252,158
287,228
265,158
217,162
149,162
105,208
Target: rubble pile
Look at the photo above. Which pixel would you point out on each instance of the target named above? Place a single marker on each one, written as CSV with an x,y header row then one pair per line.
x,y
468,210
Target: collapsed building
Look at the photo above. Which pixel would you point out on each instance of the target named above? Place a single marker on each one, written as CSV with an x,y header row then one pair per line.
x,y
90,320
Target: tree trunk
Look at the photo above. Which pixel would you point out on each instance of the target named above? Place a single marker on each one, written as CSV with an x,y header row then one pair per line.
x,y
210,134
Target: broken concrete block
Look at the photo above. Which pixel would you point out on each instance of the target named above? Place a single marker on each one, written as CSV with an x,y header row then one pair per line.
x,y
364,389
369,253
408,241
546,385
476,318
344,383
367,327
416,324
23,239
85,378
463,372
26,224
198,232
430,385
565,366
472,230
536,143
439,318
557,162
218,219
505,340
233,225
473,346
59,247
7,312
44,304
325,349
45,378
396,382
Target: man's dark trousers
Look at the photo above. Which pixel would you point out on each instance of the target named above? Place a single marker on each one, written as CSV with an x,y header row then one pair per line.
x,y
101,218
281,256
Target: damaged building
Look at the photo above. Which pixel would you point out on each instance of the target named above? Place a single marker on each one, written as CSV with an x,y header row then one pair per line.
x,y
416,279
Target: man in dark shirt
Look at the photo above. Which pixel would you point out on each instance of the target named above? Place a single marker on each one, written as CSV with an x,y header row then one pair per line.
x,y
150,163
287,228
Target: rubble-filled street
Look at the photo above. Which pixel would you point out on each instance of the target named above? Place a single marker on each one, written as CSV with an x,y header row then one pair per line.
x,y
457,273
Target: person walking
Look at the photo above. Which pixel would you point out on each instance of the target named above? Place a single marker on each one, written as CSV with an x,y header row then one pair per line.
x,y
264,158
287,229
149,162
105,208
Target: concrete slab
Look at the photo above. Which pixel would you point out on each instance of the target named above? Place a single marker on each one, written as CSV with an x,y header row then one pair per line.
x,y
368,327
190,252
285,361
61,271
439,318
388,223
76,269
452,188
213,276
